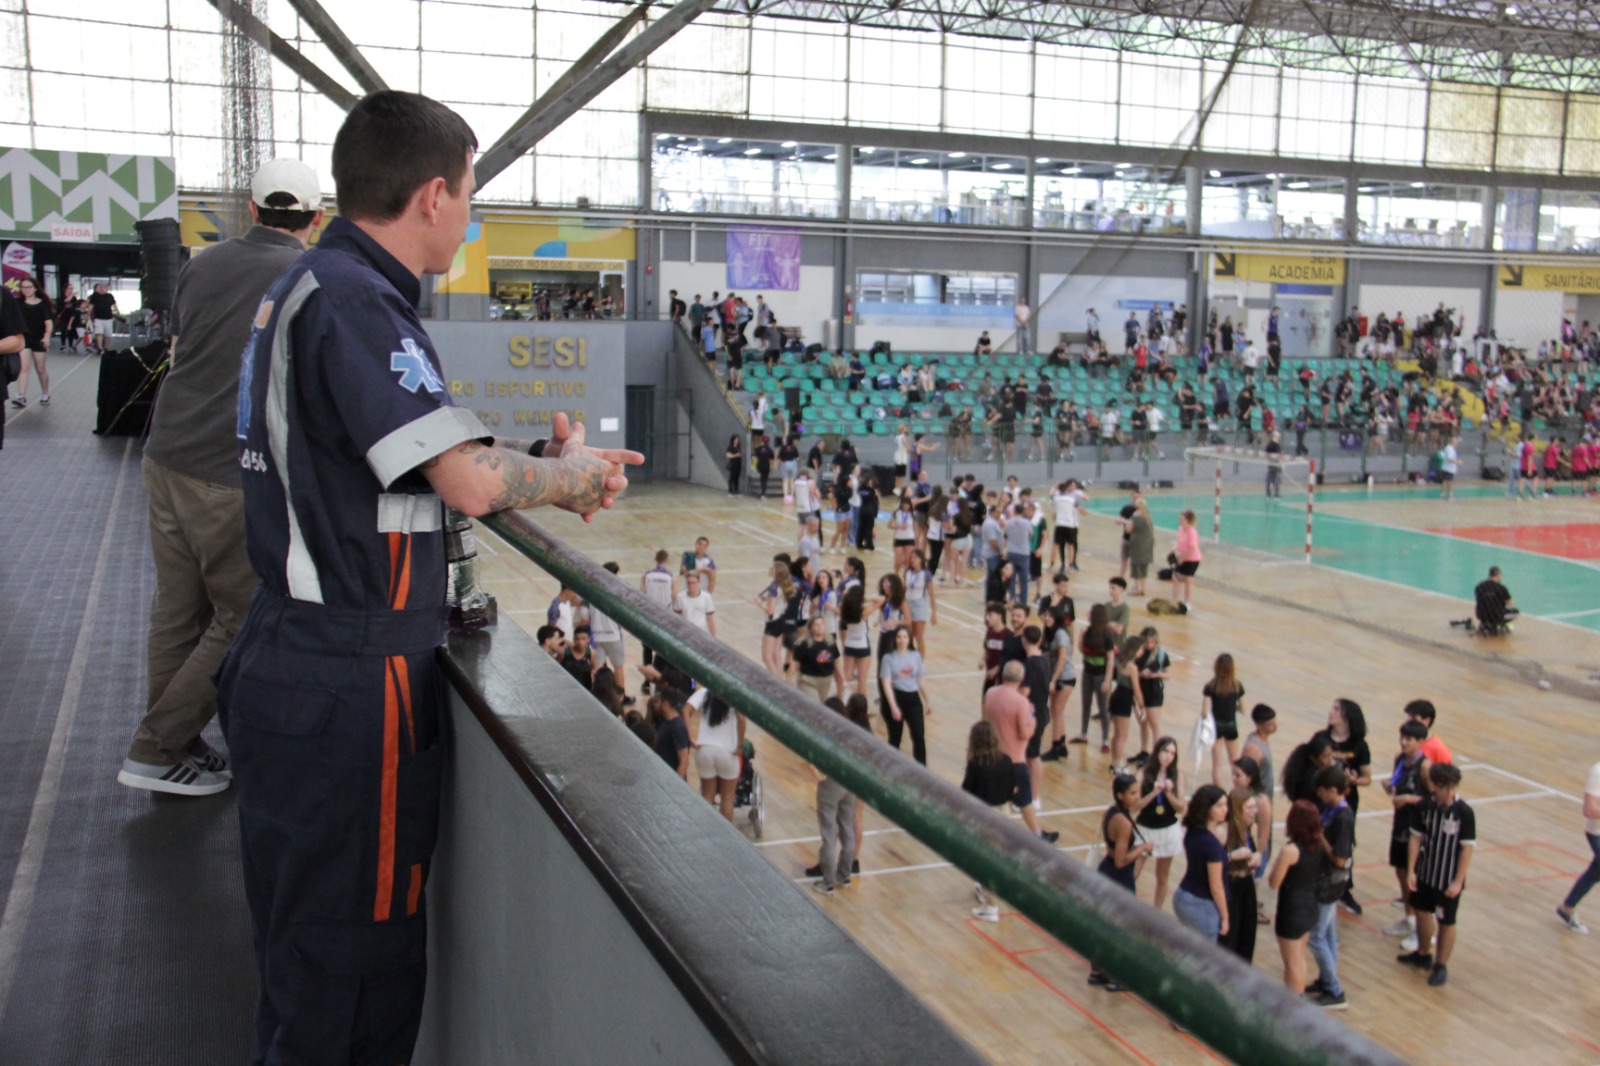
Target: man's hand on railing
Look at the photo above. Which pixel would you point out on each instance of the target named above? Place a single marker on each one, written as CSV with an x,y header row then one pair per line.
x,y
476,479
600,486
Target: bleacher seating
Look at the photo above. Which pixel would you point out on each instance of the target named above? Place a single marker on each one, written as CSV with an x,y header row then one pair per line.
x,y
828,406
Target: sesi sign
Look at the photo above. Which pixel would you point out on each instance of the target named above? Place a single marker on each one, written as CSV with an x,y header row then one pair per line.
x,y
72,231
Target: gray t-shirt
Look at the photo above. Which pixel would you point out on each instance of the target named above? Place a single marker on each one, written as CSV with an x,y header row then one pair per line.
x,y
992,534
1019,535
810,548
193,430
903,669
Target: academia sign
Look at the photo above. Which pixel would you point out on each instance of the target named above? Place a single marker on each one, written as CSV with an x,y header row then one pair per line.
x,y
1278,269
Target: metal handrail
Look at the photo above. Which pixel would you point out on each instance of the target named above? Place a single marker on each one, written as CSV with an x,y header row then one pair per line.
x,y
1232,1007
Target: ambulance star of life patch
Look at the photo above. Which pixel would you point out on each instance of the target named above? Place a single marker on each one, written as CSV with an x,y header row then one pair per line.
x,y
415,371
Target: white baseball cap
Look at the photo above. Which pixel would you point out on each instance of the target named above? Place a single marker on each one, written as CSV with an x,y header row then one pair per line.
x,y
287,176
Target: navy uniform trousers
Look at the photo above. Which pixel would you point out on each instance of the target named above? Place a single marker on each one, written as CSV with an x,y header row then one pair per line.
x,y
332,719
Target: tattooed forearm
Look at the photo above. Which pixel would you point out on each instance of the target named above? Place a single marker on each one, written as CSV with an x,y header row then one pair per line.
x,y
513,444
574,482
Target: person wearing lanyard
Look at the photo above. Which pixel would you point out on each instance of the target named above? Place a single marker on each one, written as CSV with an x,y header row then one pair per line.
x,y
350,448
1125,853
919,599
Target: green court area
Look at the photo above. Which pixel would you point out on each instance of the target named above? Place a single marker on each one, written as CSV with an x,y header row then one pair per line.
x,y
1275,530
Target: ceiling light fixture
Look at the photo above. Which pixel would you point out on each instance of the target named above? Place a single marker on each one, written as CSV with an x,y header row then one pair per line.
x,y
958,155
788,144
752,151
1072,170
919,161
1002,166
1216,173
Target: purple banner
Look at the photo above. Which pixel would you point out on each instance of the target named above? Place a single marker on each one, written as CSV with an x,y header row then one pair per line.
x,y
763,259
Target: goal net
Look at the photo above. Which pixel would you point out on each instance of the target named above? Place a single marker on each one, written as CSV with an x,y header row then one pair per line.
x,y
1245,498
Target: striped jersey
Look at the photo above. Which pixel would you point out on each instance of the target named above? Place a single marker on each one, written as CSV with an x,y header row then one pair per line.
x,y
1444,832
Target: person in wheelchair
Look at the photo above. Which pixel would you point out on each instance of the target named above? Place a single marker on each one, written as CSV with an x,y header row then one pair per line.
x,y
1494,610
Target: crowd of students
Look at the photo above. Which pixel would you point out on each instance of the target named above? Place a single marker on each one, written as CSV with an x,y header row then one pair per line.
x,y
859,646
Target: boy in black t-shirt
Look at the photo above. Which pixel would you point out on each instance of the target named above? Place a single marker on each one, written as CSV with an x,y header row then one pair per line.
x,y
672,732
1442,838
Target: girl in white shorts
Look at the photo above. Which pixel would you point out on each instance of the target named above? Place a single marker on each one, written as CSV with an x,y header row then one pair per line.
x,y
1162,799
716,749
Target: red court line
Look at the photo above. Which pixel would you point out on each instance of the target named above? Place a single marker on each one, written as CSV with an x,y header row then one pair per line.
x,y
1074,1004
1581,1040
1578,540
1056,945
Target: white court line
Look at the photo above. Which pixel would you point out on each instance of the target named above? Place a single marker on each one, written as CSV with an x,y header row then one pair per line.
x,y
761,535
956,673
933,865
1475,765
896,829
1569,614
30,861
1385,813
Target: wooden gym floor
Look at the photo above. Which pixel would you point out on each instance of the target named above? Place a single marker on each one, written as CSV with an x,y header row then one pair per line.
x,y
1521,986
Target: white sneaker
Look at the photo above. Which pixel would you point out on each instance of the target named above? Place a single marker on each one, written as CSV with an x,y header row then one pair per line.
x,y
989,913
1570,919
1410,942
182,779
1404,927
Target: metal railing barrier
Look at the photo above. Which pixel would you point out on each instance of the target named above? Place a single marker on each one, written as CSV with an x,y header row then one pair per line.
x,y
1234,1008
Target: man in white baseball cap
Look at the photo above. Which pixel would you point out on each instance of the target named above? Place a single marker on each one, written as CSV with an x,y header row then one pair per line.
x,y
191,476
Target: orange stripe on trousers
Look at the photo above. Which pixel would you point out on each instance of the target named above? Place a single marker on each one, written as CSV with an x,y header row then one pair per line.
x,y
394,562
414,893
386,800
403,589
402,675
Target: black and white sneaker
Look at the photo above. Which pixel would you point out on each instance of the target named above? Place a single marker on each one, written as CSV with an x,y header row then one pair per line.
x,y
183,779
213,762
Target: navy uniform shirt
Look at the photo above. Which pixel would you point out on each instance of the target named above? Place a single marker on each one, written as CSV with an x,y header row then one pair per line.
x,y
340,400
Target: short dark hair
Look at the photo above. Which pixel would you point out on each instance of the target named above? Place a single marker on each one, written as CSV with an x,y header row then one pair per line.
x,y
391,144
1444,775
1422,709
1262,713
1333,778
546,632
281,214
1413,729
1119,582
1032,635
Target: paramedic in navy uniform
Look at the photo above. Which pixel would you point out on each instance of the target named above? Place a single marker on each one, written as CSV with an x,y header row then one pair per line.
x,y
330,695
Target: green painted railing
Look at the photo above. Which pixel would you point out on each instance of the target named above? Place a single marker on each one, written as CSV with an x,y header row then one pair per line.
x,y
1232,1007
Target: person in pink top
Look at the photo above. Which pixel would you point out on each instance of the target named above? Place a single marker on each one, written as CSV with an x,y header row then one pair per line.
x,y
1011,714
1188,553
1552,465
1583,456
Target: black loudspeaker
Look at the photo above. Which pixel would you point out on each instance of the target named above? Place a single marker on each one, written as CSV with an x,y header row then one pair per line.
x,y
160,257
129,382
791,401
